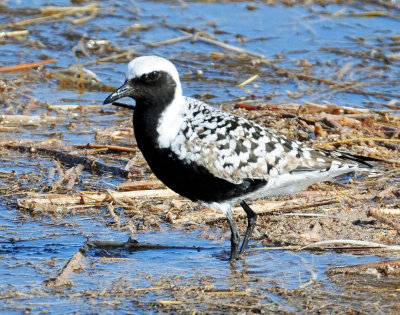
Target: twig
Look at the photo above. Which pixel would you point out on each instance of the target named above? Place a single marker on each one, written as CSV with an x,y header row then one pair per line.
x,y
140,185
223,45
28,120
111,211
168,302
109,147
77,170
117,200
75,263
130,245
229,47
361,244
388,211
60,176
373,213
92,15
227,292
369,14
35,20
68,10
126,54
170,41
249,80
386,267
75,107
311,215
387,191
90,198
153,193
338,192
247,106
10,129
14,34
55,12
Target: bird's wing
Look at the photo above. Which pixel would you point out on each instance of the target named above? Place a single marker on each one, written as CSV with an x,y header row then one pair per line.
x,y
234,148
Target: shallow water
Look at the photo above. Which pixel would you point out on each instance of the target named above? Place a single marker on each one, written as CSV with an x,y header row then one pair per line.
x,y
34,248
295,34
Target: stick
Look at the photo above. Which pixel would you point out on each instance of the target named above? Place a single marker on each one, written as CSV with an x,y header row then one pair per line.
x,y
26,66
214,42
229,47
75,263
361,244
373,213
140,185
68,10
388,211
381,266
130,245
127,55
14,34
387,192
153,193
75,107
113,215
60,175
92,15
29,120
90,198
247,106
9,129
36,20
170,41
109,147
77,170
249,80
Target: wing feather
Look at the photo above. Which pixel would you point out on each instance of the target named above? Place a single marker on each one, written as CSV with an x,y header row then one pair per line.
x,y
234,148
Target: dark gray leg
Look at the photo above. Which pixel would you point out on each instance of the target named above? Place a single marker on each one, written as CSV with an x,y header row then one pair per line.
x,y
235,237
251,223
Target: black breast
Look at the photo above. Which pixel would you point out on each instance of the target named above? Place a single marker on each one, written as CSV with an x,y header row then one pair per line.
x,y
190,180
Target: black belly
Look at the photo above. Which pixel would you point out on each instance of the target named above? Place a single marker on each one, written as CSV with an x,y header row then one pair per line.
x,y
190,180
194,181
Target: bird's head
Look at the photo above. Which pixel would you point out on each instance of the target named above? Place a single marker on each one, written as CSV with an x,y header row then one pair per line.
x,y
149,80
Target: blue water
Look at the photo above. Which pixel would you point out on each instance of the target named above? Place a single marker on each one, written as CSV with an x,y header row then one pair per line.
x,y
293,33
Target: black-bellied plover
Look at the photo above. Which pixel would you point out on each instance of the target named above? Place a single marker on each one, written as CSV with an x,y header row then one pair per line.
x,y
214,157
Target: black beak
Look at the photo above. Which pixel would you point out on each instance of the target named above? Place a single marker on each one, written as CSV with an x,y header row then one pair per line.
x,y
125,90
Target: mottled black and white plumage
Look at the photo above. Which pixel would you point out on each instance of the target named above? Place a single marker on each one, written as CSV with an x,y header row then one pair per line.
x,y
215,157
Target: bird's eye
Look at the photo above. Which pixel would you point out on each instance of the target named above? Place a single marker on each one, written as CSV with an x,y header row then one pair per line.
x,y
152,76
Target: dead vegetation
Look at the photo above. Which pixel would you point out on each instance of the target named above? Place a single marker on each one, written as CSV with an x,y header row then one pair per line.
x,y
325,217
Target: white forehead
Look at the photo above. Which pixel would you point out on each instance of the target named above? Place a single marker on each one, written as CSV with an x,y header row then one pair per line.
x,y
146,64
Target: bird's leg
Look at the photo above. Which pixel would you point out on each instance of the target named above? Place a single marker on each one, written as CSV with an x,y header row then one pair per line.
x,y
235,237
251,223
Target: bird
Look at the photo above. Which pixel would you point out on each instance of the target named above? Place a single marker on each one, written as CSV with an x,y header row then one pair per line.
x,y
214,157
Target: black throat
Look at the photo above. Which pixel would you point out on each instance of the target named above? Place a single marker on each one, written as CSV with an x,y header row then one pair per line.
x,y
151,101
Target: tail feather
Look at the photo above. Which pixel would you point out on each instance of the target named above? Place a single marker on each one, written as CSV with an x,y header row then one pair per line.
x,y
362,161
